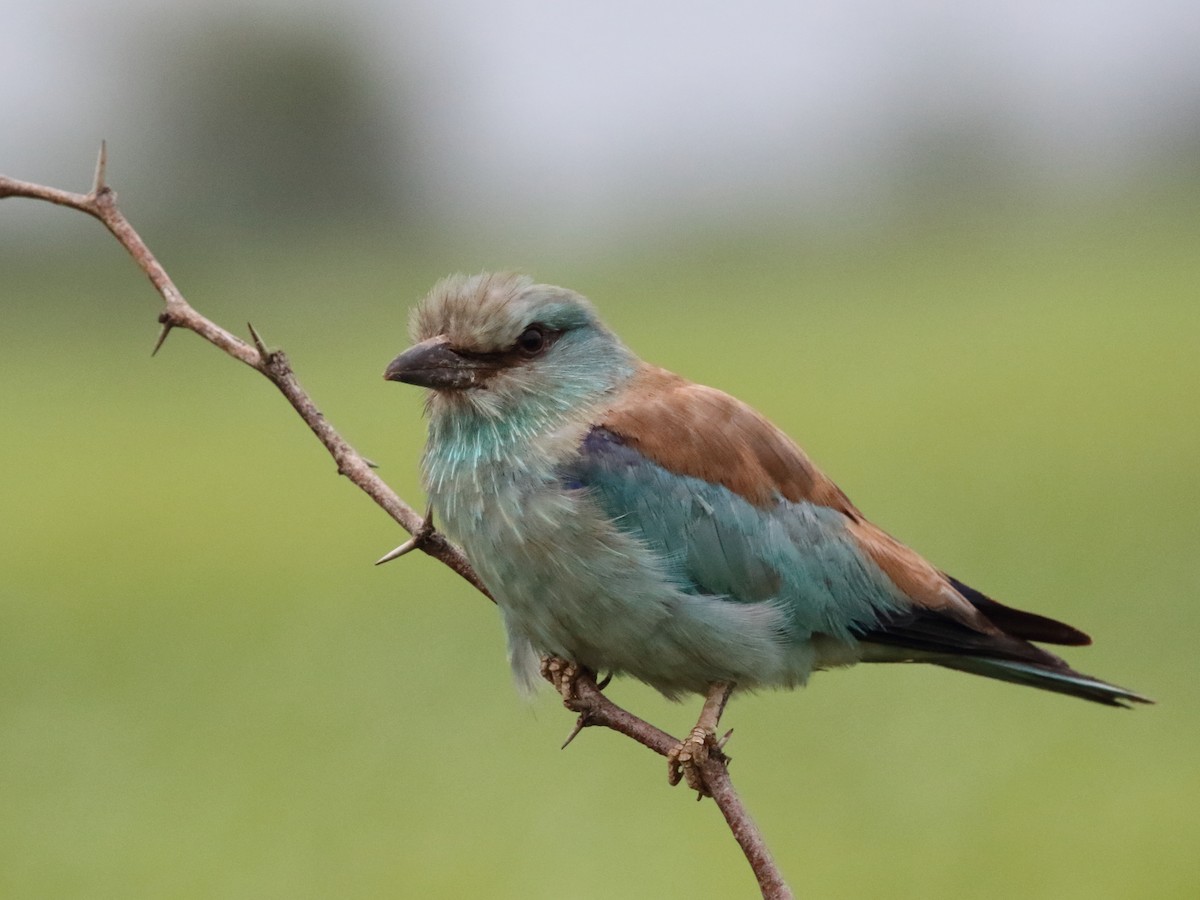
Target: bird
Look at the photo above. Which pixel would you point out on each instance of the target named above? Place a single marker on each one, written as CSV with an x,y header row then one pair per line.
x,y
629,521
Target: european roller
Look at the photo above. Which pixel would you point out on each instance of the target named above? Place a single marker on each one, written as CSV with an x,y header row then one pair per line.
x,y
630,521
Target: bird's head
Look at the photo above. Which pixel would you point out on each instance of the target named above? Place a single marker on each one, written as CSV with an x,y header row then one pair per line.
x,y
499,345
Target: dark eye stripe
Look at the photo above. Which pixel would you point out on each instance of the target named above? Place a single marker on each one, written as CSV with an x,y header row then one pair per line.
x,y
532,343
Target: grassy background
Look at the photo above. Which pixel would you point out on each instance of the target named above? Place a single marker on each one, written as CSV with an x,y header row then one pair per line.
x,y
207,690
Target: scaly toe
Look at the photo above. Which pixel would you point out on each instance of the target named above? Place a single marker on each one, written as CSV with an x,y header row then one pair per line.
x,y
562,675
684,762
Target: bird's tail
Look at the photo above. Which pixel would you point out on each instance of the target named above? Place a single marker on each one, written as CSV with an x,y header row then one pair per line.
x,y
1003,651
1062,680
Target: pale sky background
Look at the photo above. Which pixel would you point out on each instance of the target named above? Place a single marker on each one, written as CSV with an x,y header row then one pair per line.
x,y
567,121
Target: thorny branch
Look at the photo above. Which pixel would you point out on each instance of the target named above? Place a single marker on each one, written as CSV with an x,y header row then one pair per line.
x,y
582,694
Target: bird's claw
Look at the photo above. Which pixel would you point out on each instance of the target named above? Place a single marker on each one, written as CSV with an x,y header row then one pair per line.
x,y
563,675
688,760
685,762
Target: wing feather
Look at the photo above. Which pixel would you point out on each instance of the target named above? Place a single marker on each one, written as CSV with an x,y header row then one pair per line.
x,y
715,441
698,431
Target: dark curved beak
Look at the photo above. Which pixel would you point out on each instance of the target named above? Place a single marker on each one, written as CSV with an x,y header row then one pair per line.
x,y
435,364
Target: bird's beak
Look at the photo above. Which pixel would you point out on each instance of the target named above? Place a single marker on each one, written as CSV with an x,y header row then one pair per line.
x,y
435,364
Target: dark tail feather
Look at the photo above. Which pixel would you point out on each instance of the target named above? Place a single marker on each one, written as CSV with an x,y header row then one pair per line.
x,y
1018,623
1062,680
925,635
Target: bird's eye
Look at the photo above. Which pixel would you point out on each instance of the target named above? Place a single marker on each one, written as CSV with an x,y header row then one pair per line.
x,y
532,341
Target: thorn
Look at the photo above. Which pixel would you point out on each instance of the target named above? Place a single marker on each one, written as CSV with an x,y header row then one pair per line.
x,y
167,325
371,464
723,741
98,183
420,536
407,547
580,724
258,343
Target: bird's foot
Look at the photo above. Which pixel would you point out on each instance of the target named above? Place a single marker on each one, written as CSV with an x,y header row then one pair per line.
x,y
564,675
686,761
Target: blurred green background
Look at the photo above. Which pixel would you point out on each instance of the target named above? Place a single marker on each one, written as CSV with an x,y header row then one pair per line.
x,y
206,689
